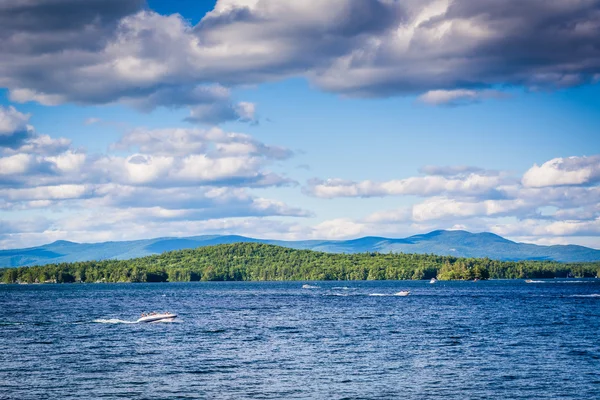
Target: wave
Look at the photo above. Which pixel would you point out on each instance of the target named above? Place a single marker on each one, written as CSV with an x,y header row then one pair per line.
x,y
341,288
586,295
121,321
113,321
552,281
401,293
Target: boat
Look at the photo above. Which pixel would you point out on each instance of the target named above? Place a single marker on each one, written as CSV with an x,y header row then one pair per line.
x,y
402,293
305,286
433,280
158,317
528,281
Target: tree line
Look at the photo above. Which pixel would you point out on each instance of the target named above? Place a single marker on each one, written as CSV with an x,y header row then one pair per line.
x,y
261,262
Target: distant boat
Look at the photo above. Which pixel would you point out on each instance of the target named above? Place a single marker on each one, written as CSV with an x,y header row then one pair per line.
x,y
160,317
433,280
402,293
476,280
309,287
528,281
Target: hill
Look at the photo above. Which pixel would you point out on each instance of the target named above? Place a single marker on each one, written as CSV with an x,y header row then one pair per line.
x,y
263,262
450,243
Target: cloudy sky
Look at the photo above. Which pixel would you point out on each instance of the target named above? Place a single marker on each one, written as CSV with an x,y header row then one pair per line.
x,y
299,119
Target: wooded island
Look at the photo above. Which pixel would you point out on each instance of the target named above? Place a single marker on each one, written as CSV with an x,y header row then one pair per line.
x,y
261,262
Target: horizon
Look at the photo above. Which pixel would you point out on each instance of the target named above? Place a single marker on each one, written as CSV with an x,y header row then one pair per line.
x,y
133,120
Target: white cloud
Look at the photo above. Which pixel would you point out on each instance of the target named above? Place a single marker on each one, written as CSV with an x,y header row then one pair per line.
x,y
458,96
177,177
14,127
340,228
12,120
564,171
471,184
445,208
541,229
478,200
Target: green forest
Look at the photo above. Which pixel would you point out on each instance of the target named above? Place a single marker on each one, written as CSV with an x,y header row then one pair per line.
x,y
260,262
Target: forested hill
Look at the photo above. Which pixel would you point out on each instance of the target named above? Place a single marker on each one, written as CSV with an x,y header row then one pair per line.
x,y
260,262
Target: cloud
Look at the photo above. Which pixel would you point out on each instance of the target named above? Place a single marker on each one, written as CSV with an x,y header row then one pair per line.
x,y
122,225
217,113
537,228
17,136
92,121
14,127
564,172
445,208
450,52
340,228
214,141
453,170
470,185
458,97
475,199
159,158
207,104
170,176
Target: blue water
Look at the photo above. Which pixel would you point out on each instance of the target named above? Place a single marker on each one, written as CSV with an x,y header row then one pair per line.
x,y
451,340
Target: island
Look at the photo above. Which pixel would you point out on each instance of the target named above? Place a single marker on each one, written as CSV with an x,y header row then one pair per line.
x,y
263,262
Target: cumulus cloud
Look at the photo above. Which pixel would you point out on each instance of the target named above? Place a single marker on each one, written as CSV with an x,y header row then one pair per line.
x,y
471,184
215,141
339,228
170,176
211,105
159,158
564,172
14,127
537,206
540,228
448,51
17,136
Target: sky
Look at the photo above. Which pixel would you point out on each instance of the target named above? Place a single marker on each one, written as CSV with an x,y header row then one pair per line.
x,y
281,119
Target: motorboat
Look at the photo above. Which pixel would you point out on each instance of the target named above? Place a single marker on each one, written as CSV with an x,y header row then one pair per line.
x,y
433,280
158,317
309,287
402,293
528,281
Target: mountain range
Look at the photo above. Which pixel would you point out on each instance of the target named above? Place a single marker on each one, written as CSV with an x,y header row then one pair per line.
x,y
441,242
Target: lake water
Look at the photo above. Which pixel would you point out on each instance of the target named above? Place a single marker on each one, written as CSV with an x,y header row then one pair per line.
x,y
275,340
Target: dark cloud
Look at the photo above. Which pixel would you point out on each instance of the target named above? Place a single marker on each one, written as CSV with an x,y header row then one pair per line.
x,y
42,26
97,52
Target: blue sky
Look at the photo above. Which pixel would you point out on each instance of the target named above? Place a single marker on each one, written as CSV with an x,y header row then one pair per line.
x,y
292,120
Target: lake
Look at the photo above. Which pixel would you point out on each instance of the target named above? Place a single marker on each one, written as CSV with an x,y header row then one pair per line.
x,y
276,340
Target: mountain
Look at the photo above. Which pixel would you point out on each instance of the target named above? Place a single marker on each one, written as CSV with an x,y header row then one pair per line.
x,y
455,243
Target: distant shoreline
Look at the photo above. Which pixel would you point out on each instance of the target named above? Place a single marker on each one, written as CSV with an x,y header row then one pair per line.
x,y
537,280
262,262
